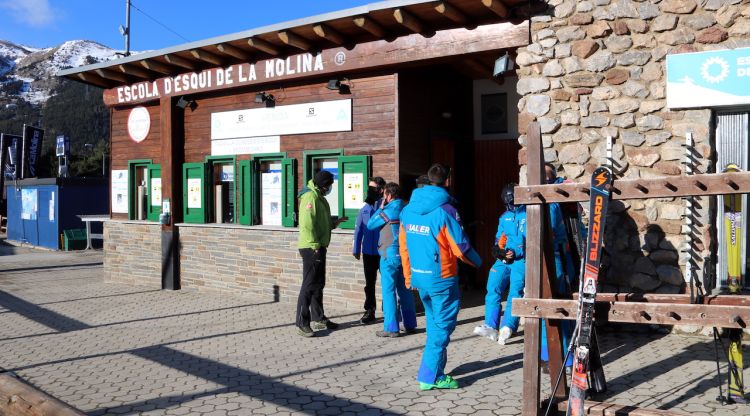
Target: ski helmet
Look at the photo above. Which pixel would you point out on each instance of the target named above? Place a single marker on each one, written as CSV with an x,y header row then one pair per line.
x,y
507,196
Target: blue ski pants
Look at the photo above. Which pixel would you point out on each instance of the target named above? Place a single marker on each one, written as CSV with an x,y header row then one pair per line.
x,y
395,293
441,298
563,280
504,276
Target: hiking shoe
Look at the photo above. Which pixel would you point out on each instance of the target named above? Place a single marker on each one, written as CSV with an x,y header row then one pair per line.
x,y
387,334
305,331
504,334
324,324
446,383
486,331
367,318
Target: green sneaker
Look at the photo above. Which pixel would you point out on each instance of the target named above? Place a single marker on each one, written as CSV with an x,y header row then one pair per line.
x,y
446,383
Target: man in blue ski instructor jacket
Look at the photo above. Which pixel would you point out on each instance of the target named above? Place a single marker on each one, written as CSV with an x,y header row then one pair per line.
x,y
431,242
365,245
386,220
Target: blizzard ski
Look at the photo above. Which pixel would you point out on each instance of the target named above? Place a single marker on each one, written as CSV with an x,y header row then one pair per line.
x,y
733,237
601,182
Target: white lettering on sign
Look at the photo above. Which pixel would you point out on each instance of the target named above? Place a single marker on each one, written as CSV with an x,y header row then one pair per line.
x,y
217,77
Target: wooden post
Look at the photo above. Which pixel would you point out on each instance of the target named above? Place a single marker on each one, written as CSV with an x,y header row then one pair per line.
x,y
534,217
171,119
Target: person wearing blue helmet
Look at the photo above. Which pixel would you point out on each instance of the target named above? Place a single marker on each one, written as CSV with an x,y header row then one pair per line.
x,y
431,242
508,272
386,221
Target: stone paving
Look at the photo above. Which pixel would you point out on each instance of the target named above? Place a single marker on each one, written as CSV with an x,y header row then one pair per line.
x,y
114,349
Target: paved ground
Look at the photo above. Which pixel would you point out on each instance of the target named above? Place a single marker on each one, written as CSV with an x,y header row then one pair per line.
x,y
114,349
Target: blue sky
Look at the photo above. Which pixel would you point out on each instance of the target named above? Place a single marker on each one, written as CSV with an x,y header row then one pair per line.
x,y
44,23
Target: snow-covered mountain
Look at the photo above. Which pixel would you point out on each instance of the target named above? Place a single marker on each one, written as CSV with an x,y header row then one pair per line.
x,y
28,73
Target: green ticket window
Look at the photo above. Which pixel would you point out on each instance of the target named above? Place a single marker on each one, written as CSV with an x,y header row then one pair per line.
x,y
138,184
221,193
245,191
194,192
317,160
153,208
267,190
289,205
354,172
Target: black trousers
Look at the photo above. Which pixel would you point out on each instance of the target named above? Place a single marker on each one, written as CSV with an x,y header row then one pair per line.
x,y
310,301
372,264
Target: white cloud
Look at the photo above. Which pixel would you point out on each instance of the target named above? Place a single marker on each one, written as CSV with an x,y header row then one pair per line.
x,y
36,13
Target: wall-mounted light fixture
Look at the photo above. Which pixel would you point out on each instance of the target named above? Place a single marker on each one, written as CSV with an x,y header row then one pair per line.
x,y
184,103
336,84
503,64
264,97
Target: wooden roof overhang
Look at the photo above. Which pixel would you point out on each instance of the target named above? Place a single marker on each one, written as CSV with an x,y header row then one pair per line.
x,y
399,29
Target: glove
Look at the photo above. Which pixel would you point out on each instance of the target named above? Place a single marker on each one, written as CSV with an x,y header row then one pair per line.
x,y
498,252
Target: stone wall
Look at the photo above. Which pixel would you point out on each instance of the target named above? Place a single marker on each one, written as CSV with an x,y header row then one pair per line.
x,y
132,252
596,68
254,260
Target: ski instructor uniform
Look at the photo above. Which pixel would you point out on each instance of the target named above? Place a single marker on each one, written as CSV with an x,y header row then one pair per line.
x,y
431,241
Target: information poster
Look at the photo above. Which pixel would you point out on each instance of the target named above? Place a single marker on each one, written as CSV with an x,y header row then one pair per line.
x,y
52,207
194,193
120,191
155,192
333,197
353,192
28,204
270,197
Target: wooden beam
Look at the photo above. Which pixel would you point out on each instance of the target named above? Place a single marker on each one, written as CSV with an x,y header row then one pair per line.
x,y
295,40
180,61
206,57
135,71
262,45
666,187
108,74
451,12
638,312
90,78
369,25
407,19
613,409
158,67
727,300
19,398
233,51
496,6
326,32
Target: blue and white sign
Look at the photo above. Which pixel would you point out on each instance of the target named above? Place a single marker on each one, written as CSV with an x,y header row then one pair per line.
x,y
708,79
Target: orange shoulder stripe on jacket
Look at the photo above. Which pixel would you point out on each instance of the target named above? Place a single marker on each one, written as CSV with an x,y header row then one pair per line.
x,y
404,251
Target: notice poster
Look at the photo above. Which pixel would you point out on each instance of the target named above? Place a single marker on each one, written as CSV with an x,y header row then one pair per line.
x,y
155,192
333,197
52,207
353,191
120,191
270,197
28,204
194,193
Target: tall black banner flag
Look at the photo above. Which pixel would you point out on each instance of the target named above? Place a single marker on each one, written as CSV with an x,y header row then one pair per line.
x,y
32,149
8,144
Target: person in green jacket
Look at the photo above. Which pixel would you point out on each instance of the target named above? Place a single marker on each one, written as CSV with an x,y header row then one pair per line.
x,y
315,225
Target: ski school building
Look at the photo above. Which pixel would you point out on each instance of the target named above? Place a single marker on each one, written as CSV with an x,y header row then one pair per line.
x,y
221,134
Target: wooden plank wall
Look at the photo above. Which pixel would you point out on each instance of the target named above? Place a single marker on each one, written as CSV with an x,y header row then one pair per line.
x,y
496,164
373,112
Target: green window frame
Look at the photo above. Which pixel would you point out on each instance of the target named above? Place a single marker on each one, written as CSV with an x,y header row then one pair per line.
x,y
249,188
309,157
152,171
211,161
198,213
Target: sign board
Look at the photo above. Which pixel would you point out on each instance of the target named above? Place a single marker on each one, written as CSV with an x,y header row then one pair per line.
x,y
120,191
194,193
29,206
333,196
227,173
708,79
271,196
156,192
246,146
139,124
317,117
353,192
60,146
32,150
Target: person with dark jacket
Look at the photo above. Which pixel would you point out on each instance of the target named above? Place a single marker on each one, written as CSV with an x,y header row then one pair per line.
x,y
386,220
431,241
315,225
365,245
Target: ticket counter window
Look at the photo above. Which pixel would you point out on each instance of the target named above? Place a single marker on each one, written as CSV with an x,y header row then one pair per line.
x,y
331,165
144,190
267,191
222,192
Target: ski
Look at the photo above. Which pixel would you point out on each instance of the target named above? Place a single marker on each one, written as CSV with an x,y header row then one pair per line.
x,y
733,238
601,182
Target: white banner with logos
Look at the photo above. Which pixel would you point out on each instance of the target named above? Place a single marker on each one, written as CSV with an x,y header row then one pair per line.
x,y
246,146
120,191
318,117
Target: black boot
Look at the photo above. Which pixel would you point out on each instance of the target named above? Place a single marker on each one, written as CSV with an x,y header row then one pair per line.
x,y
368,317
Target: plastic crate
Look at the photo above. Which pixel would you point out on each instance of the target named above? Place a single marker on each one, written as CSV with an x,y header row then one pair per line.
x,y
74,239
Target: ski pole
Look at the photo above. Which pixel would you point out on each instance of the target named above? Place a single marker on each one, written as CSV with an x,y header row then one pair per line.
x,y
559,374
721,399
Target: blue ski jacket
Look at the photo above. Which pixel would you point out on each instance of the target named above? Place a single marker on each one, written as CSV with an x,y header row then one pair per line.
x,y
431,239
365,239
386,221
511,231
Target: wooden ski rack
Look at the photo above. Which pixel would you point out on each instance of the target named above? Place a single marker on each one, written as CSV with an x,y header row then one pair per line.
x,y
718,311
